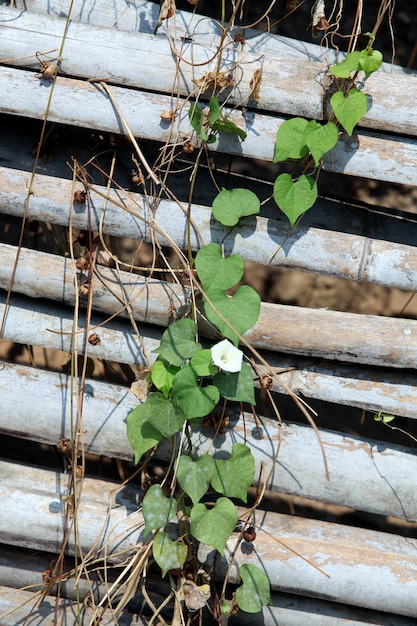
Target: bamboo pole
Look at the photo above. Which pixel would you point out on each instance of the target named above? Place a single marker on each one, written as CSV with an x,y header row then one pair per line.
x,y
294,330
364,474
87,105
359,254
361,563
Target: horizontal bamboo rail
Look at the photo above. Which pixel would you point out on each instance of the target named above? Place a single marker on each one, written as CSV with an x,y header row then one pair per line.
x,y
30,322
363,474
284,84
369,361
386,560
142,16
283,609
87,105
295,330
350,255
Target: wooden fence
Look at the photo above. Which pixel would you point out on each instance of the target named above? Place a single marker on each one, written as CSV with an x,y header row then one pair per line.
x,y
348,359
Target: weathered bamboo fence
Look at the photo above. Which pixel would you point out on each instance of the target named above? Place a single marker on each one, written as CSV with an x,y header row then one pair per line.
x,y
362,361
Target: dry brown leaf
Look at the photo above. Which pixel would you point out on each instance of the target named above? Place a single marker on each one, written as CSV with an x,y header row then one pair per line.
x,y
140,387
319,20
221,80
166,11
195,596
255,83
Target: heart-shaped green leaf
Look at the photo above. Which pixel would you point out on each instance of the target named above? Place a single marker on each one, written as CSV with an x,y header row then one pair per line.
x,y
195,115
347,66
178,342
230,205
294,197
214,526
349,109
289,143
236,386
233,477
167,553
241,310
370,60
201,363
194,476
140,432
320,138
227,126
157,509
215,111
162,414
215,271
193,400
162,375
254,593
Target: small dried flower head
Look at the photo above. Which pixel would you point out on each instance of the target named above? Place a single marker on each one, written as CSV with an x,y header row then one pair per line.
x,y
188,147
167,116
226,356
137,177
266,381
80,196
249,534
82,264
94,339
47,69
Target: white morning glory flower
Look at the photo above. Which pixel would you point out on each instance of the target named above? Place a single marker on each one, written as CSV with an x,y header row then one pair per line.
x,y
226,356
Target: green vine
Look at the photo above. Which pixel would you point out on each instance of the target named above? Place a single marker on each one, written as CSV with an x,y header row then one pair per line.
x,y
304,142
191,382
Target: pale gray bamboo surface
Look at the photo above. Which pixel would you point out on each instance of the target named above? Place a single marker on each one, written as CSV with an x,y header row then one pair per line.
x,y
80,103
367,569
363,474
141,16
32,322
348,255
285,609
294,330
15,605
361,564
381,157
120,56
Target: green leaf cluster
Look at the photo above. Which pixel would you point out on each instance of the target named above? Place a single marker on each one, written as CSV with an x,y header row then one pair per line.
x,y
231,314
188,384
303,141
215,122
368,60
210,525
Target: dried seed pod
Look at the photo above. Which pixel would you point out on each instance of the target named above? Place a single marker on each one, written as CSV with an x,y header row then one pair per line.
x,y
255,83
266,382
167,116
94,339
63,445
48,70
249,534
166,11
83,289
239,38
47,576
82,264
188,147
137,177
80,196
